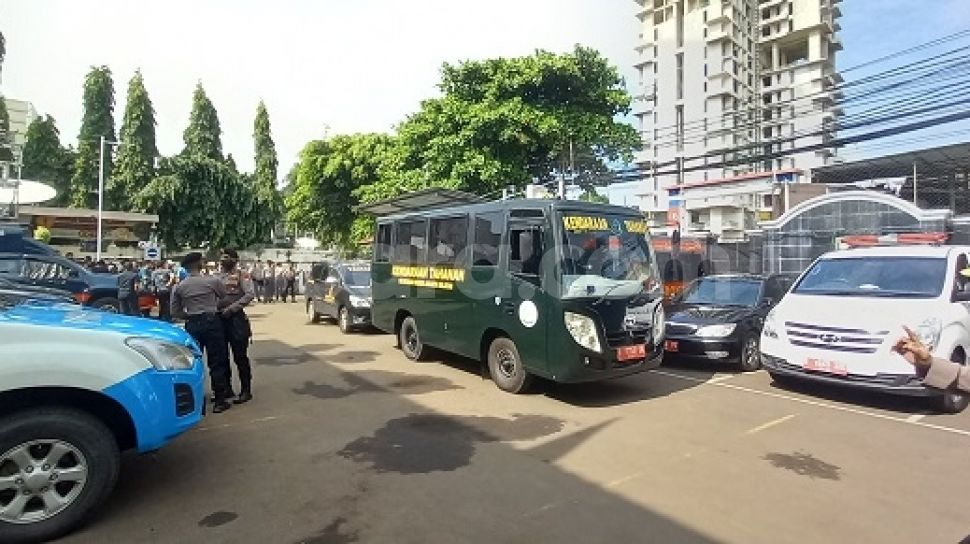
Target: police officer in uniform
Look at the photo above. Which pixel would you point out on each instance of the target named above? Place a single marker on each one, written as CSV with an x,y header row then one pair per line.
x,y
235,323
196,300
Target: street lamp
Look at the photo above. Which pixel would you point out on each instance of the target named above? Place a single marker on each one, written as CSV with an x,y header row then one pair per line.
x,y
101,190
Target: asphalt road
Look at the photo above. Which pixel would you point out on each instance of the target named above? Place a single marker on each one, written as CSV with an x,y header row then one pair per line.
x,y
347,441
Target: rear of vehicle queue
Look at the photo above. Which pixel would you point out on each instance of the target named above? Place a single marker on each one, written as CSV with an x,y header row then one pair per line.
x,y
77,387
567,291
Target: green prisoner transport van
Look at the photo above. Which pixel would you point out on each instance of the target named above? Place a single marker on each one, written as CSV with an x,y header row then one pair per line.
x,y
564,290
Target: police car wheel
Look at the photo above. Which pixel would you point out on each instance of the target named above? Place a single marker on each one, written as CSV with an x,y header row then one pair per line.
x,y
410,340
506,368
57,466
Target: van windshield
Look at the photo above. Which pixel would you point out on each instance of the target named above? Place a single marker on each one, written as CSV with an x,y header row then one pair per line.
x,y
911,277
605,255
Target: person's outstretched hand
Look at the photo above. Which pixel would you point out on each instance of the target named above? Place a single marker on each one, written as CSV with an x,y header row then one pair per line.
x,y
913,350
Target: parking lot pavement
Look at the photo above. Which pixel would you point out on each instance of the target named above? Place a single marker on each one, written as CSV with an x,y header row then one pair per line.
x,y
347,441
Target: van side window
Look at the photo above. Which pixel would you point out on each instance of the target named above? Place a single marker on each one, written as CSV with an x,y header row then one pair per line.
x,y
488,238
449,238
411,243
525,250
382,245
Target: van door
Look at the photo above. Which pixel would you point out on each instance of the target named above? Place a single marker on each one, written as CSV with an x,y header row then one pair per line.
x,y
526,303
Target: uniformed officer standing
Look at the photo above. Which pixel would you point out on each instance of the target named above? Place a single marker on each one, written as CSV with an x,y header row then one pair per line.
x,y
196,299
235,323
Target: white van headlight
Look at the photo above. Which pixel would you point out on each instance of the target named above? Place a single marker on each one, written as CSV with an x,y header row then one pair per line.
x,y
929,332
716,331
583,331
770,328
163,355
659,324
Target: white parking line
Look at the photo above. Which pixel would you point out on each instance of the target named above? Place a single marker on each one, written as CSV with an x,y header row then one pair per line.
x,y
770,424
909,420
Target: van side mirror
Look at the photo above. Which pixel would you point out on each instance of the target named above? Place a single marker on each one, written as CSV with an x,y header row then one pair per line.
x,y
767,302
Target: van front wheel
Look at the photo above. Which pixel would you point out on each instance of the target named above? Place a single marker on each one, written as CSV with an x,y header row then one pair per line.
x,y
505,366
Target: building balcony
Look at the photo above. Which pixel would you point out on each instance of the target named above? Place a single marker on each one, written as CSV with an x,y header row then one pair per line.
x,y
835,41
718,35
644,60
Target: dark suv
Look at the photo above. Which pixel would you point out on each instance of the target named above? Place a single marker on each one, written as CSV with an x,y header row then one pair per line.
x,y
340,291
56,272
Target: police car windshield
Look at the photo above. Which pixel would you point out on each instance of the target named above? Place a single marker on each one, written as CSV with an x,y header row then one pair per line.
x,y
912,277
605,255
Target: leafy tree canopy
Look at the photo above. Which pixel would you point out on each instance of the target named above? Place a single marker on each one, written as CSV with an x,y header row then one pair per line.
x,y
269,202
46,161
330,179
509,121
6,153
136,156
203,136
97,121
201,202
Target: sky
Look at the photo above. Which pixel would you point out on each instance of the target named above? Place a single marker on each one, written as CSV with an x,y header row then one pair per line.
x,y
338,66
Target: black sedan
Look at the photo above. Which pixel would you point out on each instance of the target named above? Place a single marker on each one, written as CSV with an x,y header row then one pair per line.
x,y
719,318
340,291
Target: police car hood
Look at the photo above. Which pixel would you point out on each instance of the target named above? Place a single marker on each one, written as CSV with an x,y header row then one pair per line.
x,y
862,313
67,316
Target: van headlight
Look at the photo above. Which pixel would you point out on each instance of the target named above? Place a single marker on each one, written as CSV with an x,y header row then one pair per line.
x,y
359,302
770,328
716,331
659,324
163,355
929,332
583,331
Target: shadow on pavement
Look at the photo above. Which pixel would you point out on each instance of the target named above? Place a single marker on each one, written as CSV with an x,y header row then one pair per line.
x,y
858,397
308,462
637,388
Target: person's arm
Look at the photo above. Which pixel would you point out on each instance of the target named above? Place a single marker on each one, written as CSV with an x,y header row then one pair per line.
x,y
943,374
936,372
248,295
175,304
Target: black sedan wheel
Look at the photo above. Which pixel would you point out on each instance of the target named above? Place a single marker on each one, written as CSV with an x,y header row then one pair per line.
x,y
750,353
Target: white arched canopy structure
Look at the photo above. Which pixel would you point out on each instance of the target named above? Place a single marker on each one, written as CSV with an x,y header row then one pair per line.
x,y
813,227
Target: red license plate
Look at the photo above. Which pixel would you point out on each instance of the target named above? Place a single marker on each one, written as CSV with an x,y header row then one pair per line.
x,y
630,353
826,366
671,345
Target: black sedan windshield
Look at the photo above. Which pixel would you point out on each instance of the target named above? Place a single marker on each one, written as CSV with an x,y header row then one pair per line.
x,y
723,292
357,277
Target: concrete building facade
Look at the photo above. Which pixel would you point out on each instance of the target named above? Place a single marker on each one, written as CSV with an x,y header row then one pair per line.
x,y
21,113
723,86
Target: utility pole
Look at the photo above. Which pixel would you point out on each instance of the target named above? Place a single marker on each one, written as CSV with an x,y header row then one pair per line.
x,y
914,183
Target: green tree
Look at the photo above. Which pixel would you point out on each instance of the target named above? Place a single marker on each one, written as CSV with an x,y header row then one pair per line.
x,y
200,202
136,155
203,136
45,160
330,179
509,121
269,203
96,121
6,153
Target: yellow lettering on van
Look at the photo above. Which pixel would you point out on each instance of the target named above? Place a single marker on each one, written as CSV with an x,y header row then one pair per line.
x,y
636,227
581,223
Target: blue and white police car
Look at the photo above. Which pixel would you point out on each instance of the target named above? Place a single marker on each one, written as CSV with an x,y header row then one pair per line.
x,y
77,387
